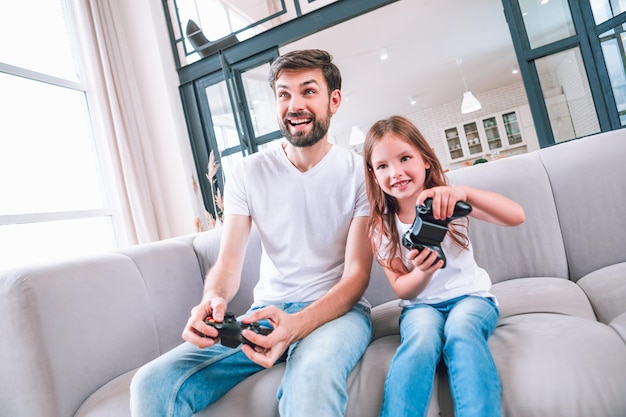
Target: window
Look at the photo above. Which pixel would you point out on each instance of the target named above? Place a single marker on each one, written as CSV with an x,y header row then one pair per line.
x,y
569,62
55,201
207,25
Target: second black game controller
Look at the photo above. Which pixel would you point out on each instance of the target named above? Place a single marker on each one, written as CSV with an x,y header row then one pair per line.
x,y
230,330
428,232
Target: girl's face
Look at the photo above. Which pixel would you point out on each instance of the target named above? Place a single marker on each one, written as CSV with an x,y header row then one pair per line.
x,y
398,168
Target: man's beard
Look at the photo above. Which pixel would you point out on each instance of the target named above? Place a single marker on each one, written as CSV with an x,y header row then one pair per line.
x,y
302,139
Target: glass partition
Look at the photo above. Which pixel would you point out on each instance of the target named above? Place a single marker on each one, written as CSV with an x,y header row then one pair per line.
x,y
603,10
201,27
546,21
614,56
260,99
567,95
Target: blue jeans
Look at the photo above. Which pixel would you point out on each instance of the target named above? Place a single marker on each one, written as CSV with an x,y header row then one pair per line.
x,y
458,330
187,379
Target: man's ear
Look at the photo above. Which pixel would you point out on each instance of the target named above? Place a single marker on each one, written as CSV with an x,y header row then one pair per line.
x,y
335,101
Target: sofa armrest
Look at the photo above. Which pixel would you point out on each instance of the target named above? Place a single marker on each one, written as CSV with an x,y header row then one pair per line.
x,y
56,318
19,375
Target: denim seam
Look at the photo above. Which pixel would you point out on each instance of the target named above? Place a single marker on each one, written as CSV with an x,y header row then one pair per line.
x,y
183,378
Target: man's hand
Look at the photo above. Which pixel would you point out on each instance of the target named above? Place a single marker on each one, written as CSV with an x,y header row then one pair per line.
x,y
199,333
271,347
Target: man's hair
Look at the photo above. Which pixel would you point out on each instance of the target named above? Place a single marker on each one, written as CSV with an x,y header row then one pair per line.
x,y
307,58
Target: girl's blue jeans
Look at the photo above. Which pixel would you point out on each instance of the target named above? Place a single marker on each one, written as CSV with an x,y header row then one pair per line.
x,y
186,379
456,330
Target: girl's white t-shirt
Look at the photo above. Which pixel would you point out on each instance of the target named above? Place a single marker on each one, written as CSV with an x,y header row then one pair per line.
x,y
302,218
461,276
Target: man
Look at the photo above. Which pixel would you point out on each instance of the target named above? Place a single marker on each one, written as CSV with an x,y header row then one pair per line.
x,y
307,199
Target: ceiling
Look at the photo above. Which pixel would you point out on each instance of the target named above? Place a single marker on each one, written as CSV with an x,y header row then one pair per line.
x,y
423,39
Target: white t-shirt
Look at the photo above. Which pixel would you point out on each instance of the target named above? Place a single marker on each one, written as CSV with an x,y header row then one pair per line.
x,y
461,276
303,219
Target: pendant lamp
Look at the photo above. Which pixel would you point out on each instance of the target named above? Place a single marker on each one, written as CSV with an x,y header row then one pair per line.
x,y
469,103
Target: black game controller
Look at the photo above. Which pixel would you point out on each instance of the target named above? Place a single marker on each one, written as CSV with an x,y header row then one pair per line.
x,y
230,330
428,232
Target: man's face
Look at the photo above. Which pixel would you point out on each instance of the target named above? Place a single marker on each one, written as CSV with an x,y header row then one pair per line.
x,y
304,107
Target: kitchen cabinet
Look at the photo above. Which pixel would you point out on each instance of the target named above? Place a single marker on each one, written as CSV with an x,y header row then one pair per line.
x,y
483,137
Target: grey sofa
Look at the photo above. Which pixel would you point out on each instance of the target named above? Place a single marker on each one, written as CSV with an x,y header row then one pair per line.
x,y
74,332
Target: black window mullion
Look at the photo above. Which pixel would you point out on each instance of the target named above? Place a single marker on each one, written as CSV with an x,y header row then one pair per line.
x,y
526,61
593,61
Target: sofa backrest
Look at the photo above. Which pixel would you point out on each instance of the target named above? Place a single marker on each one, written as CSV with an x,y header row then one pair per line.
x,y
533,249
206,246
574,197
568,192
588,178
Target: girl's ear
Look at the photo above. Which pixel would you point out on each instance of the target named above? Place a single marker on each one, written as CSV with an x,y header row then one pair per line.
x,y
371,172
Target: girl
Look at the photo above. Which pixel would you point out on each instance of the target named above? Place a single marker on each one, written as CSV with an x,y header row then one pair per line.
x,y
447,312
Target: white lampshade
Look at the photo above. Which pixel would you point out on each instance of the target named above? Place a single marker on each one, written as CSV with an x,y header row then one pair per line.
x,y
470,103
357,136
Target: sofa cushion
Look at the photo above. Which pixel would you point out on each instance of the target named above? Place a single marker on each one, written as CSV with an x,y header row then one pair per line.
x,y
606,288
542,295
385,319
112,400
619,325
256,396
559,365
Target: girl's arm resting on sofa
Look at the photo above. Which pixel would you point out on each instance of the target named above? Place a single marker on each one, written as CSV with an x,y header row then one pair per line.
x,y
486,205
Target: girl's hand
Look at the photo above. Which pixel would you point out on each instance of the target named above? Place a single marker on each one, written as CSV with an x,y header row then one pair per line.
x,y
444,200
425,260
486,205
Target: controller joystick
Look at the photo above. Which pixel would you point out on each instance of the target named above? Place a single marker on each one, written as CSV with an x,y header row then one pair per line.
x,y
428,232
230,330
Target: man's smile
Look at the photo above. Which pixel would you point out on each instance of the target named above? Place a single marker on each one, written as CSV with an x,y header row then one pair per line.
x,y
299,121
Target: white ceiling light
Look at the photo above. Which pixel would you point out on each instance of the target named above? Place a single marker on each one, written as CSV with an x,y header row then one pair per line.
x,y
383,54
357,137
469,103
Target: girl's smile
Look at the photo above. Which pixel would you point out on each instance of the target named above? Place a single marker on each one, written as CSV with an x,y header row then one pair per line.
x,y
401,185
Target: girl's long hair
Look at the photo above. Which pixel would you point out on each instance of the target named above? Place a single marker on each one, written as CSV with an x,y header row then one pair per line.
x,y
383,207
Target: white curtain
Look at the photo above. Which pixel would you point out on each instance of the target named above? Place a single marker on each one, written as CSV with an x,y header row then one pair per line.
x,y
129,142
